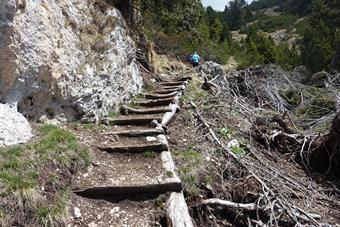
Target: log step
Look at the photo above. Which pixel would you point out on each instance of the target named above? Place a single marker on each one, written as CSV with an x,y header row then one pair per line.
x,y
130,191
122,190
136,132
167,91
187,78
155,144
105,212
135,148
172,87
172,83
132,120
128,174
161,96
177,210
156,102
128,110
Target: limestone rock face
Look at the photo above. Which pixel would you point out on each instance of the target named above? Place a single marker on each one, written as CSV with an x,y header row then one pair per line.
x,y
14,128
65,59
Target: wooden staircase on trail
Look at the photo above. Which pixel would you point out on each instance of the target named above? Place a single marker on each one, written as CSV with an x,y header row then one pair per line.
x,y
134,182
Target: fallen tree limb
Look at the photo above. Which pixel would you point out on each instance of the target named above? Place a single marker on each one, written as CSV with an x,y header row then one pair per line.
x,y
248,206
210,86
212,133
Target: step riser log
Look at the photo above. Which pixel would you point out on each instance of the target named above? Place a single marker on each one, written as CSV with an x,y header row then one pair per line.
x,y
137,133
128,110
141,121
168,91
126,191
157,96
172,83
136,149
151,103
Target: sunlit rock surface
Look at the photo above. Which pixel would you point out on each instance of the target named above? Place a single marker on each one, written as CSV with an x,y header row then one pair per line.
x,y
65,59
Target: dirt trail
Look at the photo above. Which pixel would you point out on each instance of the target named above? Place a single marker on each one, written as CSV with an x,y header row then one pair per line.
x,y
133,180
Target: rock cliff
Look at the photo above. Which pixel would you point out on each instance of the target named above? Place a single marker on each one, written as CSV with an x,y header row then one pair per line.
x,y
14,128
65,59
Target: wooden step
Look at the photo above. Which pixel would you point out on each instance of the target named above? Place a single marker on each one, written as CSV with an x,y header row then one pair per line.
x,y
123,175
137,132
187,78
172,83
177,210
161,96
155,102
171,87
167,91
133,120
107,213
128,110
135,148
156,144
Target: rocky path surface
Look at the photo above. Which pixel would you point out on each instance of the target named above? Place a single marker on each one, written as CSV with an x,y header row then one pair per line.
x,y
134,180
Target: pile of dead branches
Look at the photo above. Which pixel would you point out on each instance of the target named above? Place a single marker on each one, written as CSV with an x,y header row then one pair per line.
x,y
284,114
281,200
287,115
262,89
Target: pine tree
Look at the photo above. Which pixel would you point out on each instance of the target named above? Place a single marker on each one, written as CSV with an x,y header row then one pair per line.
x,y
235,14
216,30
319,37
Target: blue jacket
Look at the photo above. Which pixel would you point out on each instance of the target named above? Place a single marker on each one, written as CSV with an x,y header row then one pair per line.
x,y
195,58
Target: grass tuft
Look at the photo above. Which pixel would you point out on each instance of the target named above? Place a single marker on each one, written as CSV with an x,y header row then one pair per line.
x,y
24,168
192,164
54,214
149,154
169,173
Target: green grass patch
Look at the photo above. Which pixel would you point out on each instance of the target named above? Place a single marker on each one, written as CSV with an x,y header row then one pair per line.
x,y
55,213
237,150
191,164
169,174
114,114
194,92
149,154
190,157
225,132
22,168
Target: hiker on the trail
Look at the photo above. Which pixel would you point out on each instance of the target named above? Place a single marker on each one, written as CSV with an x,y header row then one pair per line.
x,y
195,59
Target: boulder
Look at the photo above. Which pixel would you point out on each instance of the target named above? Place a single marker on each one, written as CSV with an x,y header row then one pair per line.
x,y
210,69
14,128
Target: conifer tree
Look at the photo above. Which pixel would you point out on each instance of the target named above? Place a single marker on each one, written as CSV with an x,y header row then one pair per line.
x,y
319,37
216,30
